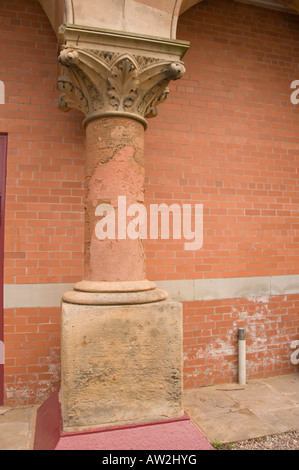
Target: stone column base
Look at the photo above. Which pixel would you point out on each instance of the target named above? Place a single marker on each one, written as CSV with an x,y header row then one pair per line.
x,y
121,364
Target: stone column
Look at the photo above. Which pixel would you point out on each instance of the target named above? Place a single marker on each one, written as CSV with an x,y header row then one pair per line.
x,y
121,336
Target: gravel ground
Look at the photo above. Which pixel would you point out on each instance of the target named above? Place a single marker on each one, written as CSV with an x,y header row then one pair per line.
x,y
286,441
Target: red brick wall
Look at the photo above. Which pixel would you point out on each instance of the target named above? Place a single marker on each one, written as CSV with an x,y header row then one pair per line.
x,y
227,138
44,210
45,170
233,145
211,343
32,354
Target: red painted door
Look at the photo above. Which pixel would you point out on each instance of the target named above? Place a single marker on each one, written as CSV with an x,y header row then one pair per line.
x,y
3,150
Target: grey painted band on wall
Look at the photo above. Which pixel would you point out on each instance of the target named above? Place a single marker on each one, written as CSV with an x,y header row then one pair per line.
x,y
188,290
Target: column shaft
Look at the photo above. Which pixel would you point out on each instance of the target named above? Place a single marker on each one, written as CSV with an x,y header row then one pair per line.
x,y
114,167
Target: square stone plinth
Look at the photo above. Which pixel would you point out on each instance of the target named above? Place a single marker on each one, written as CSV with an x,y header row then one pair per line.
x,y
121,364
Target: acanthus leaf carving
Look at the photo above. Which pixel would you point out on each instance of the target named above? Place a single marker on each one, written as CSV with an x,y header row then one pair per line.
x,y
71,96
100,83
123,84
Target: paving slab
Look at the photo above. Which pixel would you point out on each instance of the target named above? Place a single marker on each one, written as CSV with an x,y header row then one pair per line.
x,y
259,397
233,426
285,384
290,418
17,428
230,413
208,402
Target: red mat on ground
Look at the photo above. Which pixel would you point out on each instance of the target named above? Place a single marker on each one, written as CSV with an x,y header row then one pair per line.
x,y
176,435
173,434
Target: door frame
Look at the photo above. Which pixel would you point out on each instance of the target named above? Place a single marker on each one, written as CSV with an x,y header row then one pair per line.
x,y
3,164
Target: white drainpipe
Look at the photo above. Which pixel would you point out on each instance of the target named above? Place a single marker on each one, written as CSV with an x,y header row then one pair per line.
x,y
241,356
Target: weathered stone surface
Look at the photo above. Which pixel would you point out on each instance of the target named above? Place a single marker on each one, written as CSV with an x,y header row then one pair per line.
x,y
115,298
129,286
103,83
114,166
121,364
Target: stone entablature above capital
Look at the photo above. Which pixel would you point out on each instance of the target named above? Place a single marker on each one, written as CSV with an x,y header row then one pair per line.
x,y
117,75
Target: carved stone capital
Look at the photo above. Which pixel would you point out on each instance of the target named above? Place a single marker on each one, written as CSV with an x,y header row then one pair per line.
x,y
102,83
